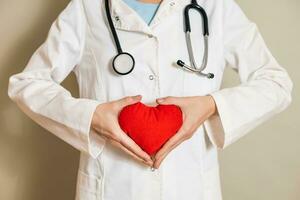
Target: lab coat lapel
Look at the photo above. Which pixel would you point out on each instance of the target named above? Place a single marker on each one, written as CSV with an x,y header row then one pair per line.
x,y
125,18
166,8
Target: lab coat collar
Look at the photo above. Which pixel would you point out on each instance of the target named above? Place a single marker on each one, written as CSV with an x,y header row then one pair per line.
x,y
125,18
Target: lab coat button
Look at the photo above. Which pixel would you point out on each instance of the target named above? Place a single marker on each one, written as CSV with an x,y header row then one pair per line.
x,y
151,77
172,3
117,18
150,36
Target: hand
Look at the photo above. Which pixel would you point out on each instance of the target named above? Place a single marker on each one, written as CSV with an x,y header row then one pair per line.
x,y
105,122
195,111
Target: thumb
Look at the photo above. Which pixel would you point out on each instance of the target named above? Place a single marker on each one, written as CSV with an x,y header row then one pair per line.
x,y
129,100
168,100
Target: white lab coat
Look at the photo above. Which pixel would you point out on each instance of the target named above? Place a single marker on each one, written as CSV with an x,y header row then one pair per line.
x,y
79,41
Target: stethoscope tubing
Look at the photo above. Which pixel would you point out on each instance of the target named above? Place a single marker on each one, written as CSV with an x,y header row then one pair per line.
x,y
118,44
112,27
194,5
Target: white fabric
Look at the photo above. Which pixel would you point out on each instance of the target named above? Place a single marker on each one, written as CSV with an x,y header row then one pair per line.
x,y
79,40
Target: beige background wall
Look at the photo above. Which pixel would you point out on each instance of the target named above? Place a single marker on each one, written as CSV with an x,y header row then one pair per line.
x,y
35,165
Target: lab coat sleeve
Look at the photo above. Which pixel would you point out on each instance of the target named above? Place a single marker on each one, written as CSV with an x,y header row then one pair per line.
x,y
265,87
37,90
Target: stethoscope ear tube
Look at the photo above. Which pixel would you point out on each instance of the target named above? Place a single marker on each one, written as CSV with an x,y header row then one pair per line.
x,y
203,15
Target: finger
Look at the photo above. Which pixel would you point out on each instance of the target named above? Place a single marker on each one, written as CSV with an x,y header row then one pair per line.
x,y
128,101
169,100
117,144
126,141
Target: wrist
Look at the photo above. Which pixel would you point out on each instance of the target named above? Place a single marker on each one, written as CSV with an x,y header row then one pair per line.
x,y
95,119
212,104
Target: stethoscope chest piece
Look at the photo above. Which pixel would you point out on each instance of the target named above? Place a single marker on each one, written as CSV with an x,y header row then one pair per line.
x,y
123,63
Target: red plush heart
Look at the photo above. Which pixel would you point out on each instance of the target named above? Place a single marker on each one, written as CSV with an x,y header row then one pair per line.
x,y
150,127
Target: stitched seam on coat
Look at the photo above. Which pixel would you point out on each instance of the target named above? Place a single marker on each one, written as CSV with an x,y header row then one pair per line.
x,y
83,33
157,67
96,62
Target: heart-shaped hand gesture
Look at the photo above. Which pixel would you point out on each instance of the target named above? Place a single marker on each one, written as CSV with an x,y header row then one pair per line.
x,y
158,130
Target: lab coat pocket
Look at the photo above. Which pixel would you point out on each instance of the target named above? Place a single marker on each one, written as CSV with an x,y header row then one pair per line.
x,y
88,187
195,84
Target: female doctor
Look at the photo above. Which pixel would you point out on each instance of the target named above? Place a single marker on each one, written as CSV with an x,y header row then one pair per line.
x,y
112,166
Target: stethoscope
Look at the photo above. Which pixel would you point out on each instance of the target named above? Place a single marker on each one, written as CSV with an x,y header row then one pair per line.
x,y
123,63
